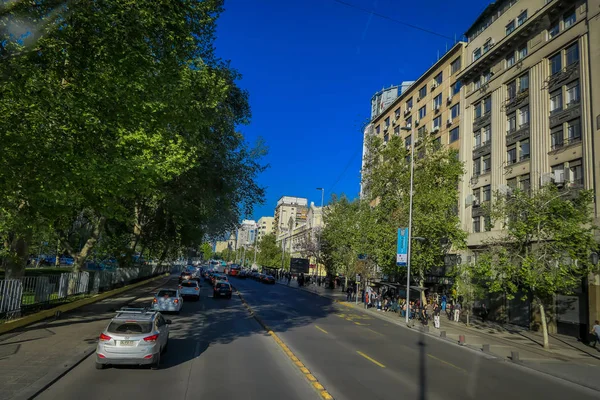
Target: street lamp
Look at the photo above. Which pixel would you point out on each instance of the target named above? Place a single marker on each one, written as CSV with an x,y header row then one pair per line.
x,y
412,167
320,233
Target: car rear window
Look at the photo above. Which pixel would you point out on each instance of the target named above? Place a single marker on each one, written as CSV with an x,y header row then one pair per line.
x,y
189,284
222,285
130,327
168,293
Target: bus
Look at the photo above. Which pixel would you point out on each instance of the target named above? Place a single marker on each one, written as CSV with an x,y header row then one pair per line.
x,y
234,270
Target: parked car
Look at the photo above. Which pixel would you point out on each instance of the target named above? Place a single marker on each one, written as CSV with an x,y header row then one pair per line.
x,y
268,279
190,289
222,289
135,336
167,300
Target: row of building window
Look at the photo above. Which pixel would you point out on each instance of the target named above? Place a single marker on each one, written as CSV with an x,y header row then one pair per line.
x,y
488,21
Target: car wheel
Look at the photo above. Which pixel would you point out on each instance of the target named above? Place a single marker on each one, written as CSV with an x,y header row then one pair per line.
x,y
156,364
100,366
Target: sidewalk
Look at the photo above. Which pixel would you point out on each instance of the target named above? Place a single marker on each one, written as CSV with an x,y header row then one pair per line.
x,y
35,356
567,358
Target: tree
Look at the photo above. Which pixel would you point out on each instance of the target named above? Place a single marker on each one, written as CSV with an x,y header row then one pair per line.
x,y
437,172
269,253
544,246
206,250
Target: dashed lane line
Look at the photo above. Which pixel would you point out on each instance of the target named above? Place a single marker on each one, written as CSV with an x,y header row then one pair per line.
x,y
321,329
371,359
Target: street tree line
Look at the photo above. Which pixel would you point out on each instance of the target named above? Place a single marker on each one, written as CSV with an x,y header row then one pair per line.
x,y
118,130
540,245
268,253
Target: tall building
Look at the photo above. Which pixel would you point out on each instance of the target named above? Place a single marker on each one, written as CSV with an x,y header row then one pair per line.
x,y
246,233
290,211
385,97
265,226
531,85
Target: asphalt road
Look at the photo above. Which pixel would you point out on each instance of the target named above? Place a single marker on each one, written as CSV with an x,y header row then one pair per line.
x,y
216,350
357,356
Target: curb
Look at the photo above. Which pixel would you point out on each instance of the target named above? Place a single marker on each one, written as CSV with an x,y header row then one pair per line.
x,y
39,316
307,374
39,386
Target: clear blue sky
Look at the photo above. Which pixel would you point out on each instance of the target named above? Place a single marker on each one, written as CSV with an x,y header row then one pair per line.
x,y
311,67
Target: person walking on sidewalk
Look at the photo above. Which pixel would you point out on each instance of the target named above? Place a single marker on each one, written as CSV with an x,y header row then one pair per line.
x,y
436,315
289,278
596,332
349,293
457,311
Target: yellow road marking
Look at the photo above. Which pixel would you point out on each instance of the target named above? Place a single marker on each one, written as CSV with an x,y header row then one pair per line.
x,y
381,334
361,324
321,329
370,359
318,386
446,362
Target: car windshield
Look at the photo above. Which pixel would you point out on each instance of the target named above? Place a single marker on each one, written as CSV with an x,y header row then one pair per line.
x,y
189,284
130,327
167,293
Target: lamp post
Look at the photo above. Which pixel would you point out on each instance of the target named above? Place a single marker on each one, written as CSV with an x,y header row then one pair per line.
x,y
320,232
255,242
410,205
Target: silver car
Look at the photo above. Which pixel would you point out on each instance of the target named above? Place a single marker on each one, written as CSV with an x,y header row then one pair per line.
x,y
190,289
167,300
135,336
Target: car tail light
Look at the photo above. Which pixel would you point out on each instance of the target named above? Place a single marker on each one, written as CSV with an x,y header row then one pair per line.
x,y
155,301
176,301
197,288
180,287
152,338
149,356
104,338
101,355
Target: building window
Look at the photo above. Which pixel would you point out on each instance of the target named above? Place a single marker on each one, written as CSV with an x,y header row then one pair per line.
x,y
487,223
572,54
476,224
511,155
572,93
511,123
510,60
478,109
455,111
455,67
487,77
510,27
523,116
487,46
409,103
438,78
487,193
437,102
397,112
456,88
487,134
487,163
574,130
524,150
555,64
487,105
522,18
553,30
556,101
437,122
525,183
524,82
477,167
422,112
408,122
377,129
576,172
569,19
423,92
477,84
397,130
387,122
511,90
476,54
512,183
477,139
557,137
386,137
421,133
454,135
522,53
408,140
437,143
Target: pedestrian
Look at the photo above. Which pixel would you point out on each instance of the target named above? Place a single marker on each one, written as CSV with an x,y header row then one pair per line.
x,y
484,313
596,333
289,278
349,294
444,302
436,315
457,312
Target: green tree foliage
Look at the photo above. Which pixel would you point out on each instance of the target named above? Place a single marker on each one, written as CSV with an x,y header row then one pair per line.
x,y
437,172
544,247
269,253
207,251
119,127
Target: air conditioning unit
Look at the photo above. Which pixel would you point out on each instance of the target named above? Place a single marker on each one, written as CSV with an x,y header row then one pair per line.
x,y
504,190
416,122
394,121
408,125
475,202
434,85
436,129
449,122
449,99
385,128
560,177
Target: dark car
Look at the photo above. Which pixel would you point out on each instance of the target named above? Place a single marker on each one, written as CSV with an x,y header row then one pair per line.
x,y
222,289
268,279
185,276
242,275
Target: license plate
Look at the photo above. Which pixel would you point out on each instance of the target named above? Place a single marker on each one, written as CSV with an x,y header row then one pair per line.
x,y
126,342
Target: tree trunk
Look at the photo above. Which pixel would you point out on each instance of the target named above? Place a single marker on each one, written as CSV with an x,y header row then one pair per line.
x,y
17,259
81,257
544,325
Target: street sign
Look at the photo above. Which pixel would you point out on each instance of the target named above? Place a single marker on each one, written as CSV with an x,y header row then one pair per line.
x,y
402,250
298,265
357,277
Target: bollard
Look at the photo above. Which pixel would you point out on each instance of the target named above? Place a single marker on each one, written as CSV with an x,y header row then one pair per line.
x,y
514,355
486,348
461,339
443,334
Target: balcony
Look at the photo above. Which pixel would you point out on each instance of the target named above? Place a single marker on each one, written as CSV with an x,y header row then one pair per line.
x,y
482,120
520,100
517,135
571,111
558,142
572,188
478,211
564,76
482,149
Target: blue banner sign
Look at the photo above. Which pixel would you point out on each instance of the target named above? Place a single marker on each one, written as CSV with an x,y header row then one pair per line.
x,y
402,251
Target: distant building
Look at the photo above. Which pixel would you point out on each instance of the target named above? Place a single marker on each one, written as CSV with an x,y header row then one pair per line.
x,y
223,245
265,226
246,233
385,97
289,211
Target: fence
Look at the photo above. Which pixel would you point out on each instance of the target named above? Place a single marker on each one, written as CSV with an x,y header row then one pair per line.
x,y
31,293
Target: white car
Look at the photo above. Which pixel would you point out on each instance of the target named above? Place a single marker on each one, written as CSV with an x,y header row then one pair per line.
x,y
167,300
190,289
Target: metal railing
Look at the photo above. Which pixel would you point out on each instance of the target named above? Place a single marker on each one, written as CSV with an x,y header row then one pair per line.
x,y
32,293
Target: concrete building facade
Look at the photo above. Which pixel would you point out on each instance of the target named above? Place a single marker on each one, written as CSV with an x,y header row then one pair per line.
x,y
246,234
289,212
264,226
530,110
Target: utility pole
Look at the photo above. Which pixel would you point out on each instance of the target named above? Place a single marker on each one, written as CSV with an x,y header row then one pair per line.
x,y
320,232
410,207
255,242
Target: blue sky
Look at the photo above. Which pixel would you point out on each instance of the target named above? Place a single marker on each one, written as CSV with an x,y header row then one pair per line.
x,y
311,67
